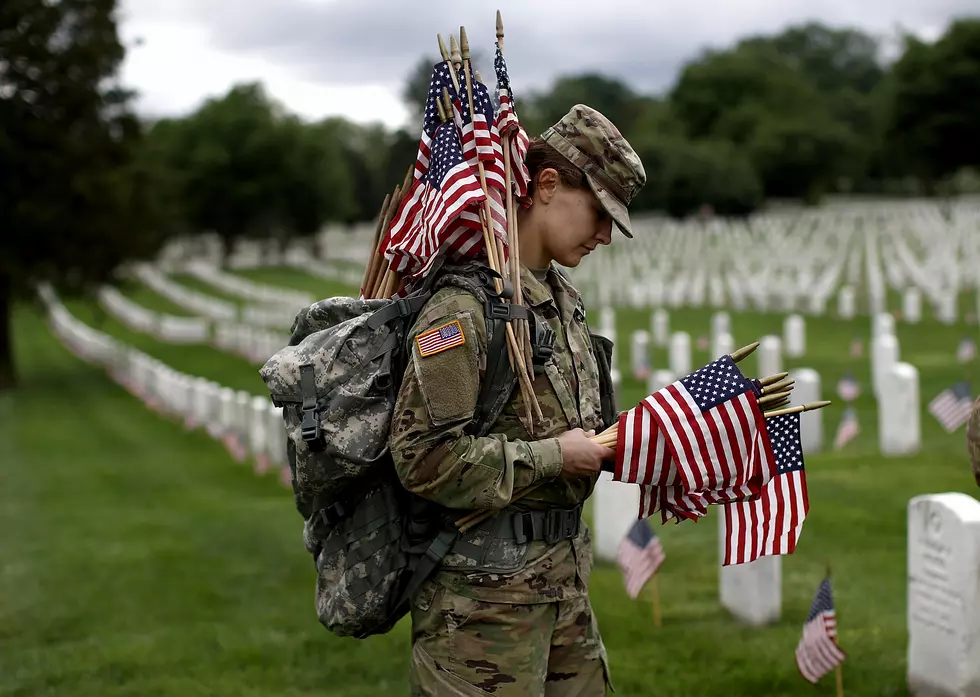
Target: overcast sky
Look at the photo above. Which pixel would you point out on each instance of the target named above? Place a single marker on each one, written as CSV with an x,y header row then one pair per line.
x,y
351,57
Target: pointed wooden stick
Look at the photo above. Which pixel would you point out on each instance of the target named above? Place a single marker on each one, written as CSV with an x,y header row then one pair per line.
x,y
380,267
773,379
793,410
744,351
775,397
373,261
779,386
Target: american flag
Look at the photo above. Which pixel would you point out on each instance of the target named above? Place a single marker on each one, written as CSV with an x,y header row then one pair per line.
x,y
848,428
700,440
508,124
640,554
818,652
848,388
441,338
445,188
772,522
952,406
966,351
481,143
857,348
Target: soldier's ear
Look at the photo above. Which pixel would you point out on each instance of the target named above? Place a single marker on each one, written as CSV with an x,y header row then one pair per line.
x,y
546,184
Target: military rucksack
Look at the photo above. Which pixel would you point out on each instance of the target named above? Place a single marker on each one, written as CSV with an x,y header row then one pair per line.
x,y
337,380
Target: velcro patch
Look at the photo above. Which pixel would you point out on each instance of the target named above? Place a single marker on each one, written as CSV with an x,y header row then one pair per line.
x,y
440,339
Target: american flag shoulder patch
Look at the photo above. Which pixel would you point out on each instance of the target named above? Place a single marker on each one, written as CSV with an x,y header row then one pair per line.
x,y
440,338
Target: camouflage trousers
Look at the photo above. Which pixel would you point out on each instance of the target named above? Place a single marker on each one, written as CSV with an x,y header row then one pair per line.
x,y
469,647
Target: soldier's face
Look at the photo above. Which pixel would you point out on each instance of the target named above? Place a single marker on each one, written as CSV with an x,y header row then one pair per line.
x,y
578,224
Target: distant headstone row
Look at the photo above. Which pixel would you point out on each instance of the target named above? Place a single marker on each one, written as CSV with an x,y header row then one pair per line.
x,y
250,427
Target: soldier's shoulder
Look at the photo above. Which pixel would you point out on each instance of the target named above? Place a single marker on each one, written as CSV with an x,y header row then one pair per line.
x,y
447,303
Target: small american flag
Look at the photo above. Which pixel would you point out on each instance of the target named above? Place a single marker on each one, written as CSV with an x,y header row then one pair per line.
x,y
818,652
640,554
966,351
700,442
481,144
952,407
848,428
772,522
857,348
848,388
508,124
440,338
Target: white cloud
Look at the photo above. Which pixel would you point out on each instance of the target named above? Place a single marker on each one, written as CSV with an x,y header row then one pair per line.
x,y
350,57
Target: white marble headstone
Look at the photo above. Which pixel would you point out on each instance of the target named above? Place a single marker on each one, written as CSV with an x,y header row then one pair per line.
x,y
659,379
721,323
640,354
661,328
944,595
794,336
723,344
912,305
614,510
884,355
770,356
751,592
806,390
899,428
680,353
846,305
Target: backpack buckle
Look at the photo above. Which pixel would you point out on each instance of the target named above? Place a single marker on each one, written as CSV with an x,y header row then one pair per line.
x,y
310,429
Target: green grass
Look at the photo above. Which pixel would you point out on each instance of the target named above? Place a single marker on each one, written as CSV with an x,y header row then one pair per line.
x,y
139,559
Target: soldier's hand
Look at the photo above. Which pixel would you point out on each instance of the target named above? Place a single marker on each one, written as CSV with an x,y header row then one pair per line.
x,y
580,456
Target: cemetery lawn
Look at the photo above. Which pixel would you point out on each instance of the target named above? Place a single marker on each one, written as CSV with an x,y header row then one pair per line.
x,y
139,559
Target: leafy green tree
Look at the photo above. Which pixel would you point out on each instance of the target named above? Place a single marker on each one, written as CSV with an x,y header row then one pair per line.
x,y
935,107
75,198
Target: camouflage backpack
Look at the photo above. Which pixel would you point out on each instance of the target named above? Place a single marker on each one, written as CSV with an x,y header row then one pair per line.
x,y
373,543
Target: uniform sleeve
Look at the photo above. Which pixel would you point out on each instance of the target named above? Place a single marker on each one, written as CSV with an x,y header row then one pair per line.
x,y
973,440
434,458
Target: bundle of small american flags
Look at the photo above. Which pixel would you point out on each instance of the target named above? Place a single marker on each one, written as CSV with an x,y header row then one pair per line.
x,y
704,440
456,150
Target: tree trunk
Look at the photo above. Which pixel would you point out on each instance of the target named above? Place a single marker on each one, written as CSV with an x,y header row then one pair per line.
x,y
8,377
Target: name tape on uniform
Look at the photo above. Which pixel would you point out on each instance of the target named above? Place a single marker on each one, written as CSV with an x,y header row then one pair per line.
x,y
440,338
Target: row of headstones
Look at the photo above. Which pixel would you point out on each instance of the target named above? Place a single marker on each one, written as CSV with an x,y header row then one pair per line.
x,y
252,343
250,427
721,342
943,601
247,289
170,328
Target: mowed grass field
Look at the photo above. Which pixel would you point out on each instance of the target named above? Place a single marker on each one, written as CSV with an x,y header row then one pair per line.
x,y
139,559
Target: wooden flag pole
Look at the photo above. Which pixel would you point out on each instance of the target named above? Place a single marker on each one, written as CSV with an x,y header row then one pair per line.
x,y
655,596
516,354
513,237
838,670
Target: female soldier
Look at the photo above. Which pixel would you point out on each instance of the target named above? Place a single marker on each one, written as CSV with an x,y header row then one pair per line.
x,y
508,612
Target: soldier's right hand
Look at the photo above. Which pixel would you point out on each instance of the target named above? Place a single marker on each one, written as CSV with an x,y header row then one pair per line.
x,y
580,456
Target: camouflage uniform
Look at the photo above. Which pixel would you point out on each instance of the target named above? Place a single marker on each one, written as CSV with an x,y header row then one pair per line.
x,y
516,621
973,440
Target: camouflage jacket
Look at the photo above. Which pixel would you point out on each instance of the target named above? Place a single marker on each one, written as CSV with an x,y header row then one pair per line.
x,y
973,440
435,459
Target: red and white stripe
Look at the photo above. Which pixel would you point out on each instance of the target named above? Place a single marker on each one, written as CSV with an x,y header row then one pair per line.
x,y
769,524
818,652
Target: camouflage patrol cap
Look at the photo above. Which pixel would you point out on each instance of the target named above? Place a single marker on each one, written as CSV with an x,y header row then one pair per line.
x,y
613,169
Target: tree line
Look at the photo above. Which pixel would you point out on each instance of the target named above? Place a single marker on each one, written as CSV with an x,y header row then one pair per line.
x,y
86,185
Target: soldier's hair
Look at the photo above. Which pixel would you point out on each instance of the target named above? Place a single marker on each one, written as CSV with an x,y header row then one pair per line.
x,y
541,156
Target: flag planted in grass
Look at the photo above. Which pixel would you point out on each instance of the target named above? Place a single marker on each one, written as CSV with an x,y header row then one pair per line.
x,y
640,554
848,428
818,652
952,407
